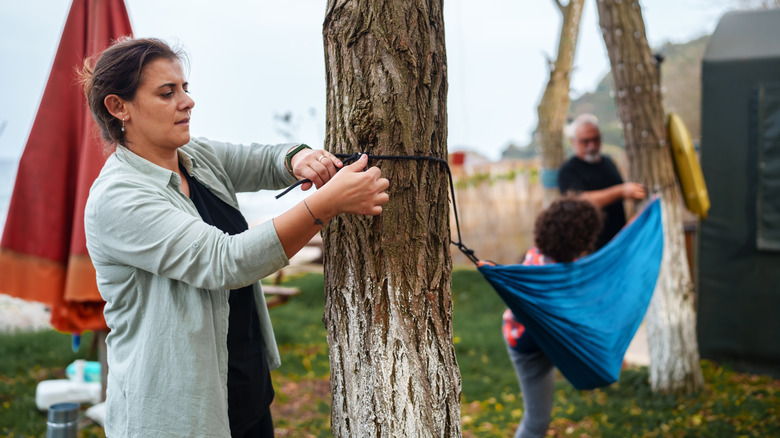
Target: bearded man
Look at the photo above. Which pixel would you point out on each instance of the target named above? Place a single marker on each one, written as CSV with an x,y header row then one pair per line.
x,y
594,177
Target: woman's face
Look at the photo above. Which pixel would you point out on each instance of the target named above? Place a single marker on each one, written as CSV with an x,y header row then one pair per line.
x,y
159,114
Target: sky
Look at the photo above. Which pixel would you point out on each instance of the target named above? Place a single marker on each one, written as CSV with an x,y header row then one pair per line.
x,y
252,60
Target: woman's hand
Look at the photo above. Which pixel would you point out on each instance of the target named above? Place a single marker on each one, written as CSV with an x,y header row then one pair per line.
x,y
352,191
361,192
316,165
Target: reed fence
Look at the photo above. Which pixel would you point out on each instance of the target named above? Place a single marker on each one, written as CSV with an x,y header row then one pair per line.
x,y
497,204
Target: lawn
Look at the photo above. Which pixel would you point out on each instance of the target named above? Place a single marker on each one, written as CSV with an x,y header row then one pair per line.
x,y
731,405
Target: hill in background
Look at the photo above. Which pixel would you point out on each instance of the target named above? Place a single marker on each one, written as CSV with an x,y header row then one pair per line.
x,y
680,85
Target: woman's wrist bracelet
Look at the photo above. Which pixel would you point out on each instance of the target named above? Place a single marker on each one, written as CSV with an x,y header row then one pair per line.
x,y
317,221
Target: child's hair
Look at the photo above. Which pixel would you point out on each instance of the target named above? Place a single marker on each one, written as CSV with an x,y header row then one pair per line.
x,y
567,229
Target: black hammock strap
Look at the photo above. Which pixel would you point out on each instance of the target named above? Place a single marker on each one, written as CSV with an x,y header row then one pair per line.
x,y
349,158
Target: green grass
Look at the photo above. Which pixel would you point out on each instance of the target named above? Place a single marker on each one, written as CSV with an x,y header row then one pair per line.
x,y
302,338
479,345
27,358
22,351
731,405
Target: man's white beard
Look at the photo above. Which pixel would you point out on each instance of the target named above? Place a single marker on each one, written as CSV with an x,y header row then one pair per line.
x,y
593,157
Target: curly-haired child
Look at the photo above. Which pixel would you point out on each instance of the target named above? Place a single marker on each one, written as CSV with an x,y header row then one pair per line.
x,y
563,232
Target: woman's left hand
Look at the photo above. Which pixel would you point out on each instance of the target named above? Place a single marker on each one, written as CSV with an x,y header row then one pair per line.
x,y
317,165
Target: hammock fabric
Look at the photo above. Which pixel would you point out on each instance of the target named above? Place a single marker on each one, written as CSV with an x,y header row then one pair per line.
x,y
584,314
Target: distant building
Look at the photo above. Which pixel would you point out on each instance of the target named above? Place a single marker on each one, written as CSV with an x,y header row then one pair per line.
x,y
464,158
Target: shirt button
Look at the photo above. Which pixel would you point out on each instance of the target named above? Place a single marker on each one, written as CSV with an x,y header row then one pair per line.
x,y
195,245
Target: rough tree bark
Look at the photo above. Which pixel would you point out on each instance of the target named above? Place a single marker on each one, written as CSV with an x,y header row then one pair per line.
x,y
671,318
554,106
388,306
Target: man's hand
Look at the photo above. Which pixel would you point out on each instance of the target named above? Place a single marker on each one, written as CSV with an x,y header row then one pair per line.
x,y
602,198
634,191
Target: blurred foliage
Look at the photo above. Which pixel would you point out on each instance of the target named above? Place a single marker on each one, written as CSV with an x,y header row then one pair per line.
x,y
479,178
731,405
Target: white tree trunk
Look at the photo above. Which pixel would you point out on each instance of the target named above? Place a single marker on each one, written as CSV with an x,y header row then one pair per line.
x,y
671,322
671,319
381,390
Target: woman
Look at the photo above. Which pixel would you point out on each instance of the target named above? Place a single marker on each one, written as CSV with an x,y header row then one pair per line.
x,y
191,340
563,232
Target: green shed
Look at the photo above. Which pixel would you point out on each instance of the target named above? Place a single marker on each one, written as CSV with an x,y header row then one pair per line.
x,y
739,242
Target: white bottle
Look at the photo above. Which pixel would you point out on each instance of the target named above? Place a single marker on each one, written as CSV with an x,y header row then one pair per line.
x,y
76,390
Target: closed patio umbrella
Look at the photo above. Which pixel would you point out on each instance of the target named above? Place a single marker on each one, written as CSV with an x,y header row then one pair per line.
x,y
43,255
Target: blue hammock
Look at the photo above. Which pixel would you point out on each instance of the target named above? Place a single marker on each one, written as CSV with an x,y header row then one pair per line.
x,y
584,314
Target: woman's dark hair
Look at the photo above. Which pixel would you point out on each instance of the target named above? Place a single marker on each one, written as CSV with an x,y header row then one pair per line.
x,y
567,229
118,70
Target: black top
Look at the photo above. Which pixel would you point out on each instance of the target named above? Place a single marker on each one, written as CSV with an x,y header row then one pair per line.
x,y
249,381
581,176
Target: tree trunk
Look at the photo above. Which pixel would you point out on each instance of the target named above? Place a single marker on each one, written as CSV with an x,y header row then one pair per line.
x,y
554,106
388,307
671,318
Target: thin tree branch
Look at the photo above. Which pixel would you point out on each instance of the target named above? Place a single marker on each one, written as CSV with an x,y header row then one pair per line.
x,y
561,7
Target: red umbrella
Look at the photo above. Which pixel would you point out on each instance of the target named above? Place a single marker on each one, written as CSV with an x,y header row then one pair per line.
x,y
43,254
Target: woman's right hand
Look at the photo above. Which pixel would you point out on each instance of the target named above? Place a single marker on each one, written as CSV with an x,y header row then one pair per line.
x,y
355,191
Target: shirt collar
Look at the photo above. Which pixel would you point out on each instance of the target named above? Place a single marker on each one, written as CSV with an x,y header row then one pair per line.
x,y
157,173
186,160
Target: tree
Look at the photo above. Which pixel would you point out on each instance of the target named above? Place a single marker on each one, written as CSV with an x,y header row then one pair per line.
x,y
554,105
671,318
388,308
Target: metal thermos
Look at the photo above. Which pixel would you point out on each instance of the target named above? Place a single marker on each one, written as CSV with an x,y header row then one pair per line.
x,y
63,421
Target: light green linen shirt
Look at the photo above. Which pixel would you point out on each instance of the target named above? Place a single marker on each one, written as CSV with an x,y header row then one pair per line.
x,y
166,275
